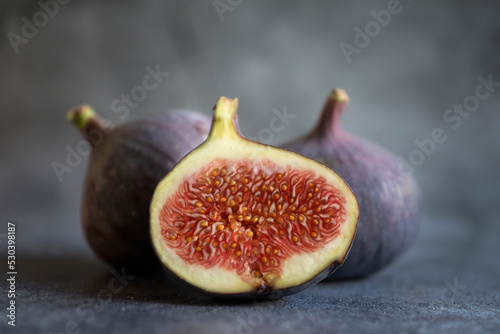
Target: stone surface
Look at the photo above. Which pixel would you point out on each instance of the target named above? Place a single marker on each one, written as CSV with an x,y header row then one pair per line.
x,y
447,283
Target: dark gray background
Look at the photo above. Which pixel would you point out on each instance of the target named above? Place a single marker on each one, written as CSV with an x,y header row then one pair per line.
x,y
269,55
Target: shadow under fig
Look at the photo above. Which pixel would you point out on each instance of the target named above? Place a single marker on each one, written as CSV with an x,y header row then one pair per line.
x,y
85,277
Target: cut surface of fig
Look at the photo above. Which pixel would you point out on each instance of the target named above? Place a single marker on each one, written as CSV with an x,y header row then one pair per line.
x,y
237,217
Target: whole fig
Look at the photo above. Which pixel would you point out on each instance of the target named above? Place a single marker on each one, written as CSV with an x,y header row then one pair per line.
x,y
125,166
388,200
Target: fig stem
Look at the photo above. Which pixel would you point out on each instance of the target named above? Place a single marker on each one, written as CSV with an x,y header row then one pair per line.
x,y
224,124
332,112
81,115
88,122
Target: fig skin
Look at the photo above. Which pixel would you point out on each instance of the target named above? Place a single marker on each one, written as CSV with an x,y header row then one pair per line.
x,y
125,166
388,200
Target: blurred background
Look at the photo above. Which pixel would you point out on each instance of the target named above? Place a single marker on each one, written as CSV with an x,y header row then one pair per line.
x,y
402,78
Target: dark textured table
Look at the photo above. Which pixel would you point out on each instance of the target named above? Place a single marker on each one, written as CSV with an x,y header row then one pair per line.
x,y
448,282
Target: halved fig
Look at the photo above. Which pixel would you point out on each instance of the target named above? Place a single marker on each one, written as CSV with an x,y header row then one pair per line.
x,y
238,218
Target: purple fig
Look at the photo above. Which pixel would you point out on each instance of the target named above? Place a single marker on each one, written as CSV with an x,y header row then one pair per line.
x,y
125,166
388,200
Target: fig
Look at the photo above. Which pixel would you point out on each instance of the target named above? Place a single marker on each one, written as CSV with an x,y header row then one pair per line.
x,y
125,166
235,218
388,201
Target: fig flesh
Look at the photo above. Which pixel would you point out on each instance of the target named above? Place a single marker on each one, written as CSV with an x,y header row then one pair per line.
x,y
388,200
240,219
125,166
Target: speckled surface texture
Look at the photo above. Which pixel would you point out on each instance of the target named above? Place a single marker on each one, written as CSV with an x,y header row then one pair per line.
x,y
444,285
